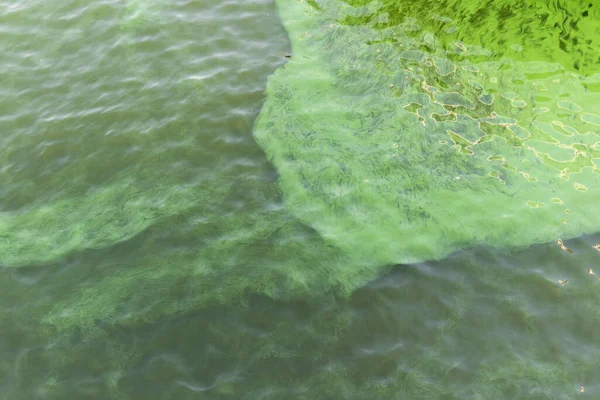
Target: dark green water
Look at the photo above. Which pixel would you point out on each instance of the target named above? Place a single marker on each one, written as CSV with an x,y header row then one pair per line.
x,y
151,249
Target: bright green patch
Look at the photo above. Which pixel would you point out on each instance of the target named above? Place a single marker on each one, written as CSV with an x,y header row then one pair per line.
x,y
368,74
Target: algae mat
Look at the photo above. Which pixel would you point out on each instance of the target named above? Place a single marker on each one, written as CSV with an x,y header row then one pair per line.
x,y
404,131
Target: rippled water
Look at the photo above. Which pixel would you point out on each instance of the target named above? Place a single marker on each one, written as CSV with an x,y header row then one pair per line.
x,y
146,251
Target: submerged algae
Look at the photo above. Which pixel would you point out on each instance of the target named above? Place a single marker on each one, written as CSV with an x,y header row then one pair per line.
x,y
469,327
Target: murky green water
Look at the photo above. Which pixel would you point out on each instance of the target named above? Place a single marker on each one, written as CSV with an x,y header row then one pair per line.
x,y
156,244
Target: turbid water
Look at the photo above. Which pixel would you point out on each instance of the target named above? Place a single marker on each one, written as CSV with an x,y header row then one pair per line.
x,y
412,215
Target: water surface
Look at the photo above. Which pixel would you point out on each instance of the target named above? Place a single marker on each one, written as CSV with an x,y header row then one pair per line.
x,y
147,251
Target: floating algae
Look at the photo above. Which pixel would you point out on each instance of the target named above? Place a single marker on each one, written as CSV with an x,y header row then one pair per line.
x,y
151,251
359,68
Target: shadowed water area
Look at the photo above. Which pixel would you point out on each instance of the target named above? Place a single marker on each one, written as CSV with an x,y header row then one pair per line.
x,y
299,199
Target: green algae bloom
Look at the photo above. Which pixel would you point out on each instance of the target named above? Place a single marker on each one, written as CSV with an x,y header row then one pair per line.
x,y
402,134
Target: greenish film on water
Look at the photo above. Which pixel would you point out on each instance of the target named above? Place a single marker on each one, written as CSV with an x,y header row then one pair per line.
x,y
406,130
300,199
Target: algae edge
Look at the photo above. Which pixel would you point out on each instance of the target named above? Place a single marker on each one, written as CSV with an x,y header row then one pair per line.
x,y
156,245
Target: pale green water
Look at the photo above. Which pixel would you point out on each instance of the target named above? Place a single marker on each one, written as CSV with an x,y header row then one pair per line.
x,y
147,251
